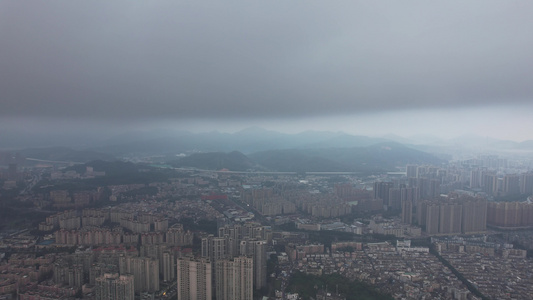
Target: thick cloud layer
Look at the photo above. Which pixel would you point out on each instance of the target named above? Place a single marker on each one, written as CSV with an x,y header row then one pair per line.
x,y
130,60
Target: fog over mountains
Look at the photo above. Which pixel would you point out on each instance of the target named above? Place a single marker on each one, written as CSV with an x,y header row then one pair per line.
x,y
260,149
249,140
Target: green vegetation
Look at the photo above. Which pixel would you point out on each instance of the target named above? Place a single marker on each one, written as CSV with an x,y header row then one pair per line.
x,y
65,154
74,185
56,249
272,262
296,161
234,161
346,249
148,191
364,216
111,168
421,242
337,179
370,159
9,195
16,214
287,227
512,198
269,184
200,225
391,213
361,216
518,245
327,237
308,285
116,173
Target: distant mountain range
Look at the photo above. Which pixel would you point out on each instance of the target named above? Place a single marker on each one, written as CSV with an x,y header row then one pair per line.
x,y
273,150
65,154
246,141
256,139
234,161
378,157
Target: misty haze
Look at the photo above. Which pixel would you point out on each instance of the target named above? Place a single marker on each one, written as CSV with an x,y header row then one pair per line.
x,y
266,150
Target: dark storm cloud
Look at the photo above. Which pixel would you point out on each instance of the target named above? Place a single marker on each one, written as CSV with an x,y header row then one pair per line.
x,y
176,59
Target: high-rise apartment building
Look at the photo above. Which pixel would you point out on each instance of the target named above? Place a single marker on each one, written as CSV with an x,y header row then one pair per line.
x,y
395,198
453,214
411,171
489,183
474,218
194,279
257,250
434,188
145,271
412,194
526,184
510,214
234,279
423,185
381,191
421,171
177,236
511,184
169,266
215,248
115,287
475,178
450,218
407,211
432,218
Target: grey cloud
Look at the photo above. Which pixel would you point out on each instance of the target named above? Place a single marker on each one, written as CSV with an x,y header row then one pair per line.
x,y
185,60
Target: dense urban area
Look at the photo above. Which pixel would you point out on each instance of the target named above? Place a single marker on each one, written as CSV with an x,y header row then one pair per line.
x,y
123,230
266,150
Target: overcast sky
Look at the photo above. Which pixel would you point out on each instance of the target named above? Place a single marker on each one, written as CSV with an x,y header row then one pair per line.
x,y
366,67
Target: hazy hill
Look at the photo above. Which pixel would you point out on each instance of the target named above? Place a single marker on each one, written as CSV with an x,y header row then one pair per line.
x,y
386,155
383,156
246,141
65,154
296,160
254,139
118,172
343,140
273,160
378,157
111,168
234,161
318,150
525,145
